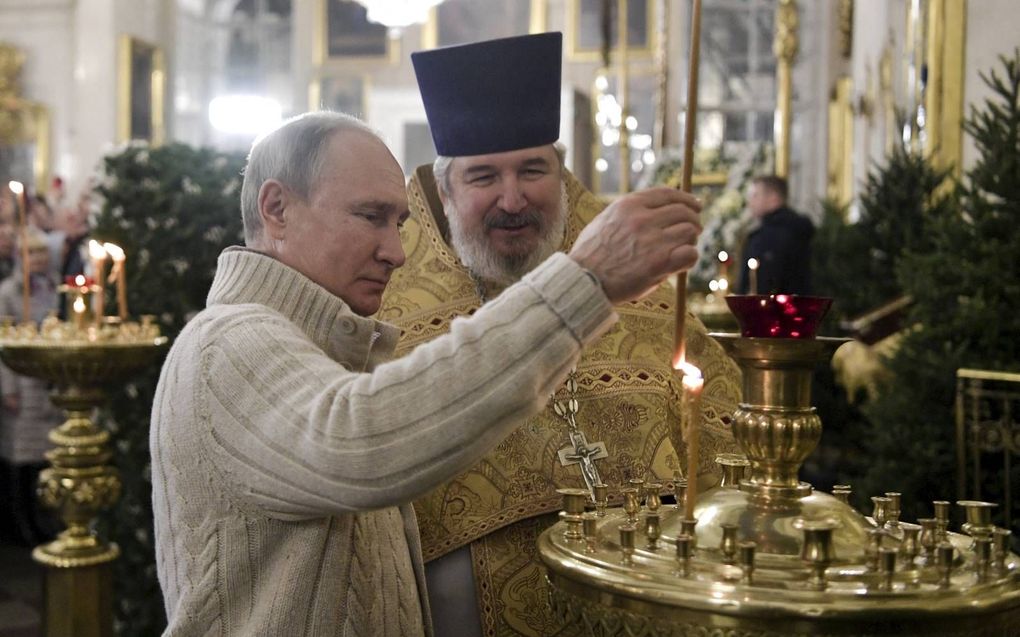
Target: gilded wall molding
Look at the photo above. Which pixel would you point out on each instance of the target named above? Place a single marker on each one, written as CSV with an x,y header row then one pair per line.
x,y
785,47
943,96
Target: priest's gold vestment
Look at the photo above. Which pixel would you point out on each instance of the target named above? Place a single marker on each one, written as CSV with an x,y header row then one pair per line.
x,y
628,395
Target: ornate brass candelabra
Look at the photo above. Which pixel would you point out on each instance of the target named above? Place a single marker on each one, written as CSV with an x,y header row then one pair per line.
x,y
767,555
80,362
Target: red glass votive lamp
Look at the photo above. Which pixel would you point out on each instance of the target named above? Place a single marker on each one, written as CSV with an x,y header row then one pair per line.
x,y
778,315
79,281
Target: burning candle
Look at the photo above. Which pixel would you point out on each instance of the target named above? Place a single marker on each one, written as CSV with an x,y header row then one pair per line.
x,y
79,312
752,269
693,383
724,266
26,299
119,275
98,255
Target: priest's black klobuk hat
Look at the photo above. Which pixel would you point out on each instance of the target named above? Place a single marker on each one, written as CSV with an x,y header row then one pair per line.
x,y
492,96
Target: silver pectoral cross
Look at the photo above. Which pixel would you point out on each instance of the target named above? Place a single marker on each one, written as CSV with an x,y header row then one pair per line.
x,y
580,452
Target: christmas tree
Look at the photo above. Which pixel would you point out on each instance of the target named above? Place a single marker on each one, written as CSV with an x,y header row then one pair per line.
x,y
855,264
173,209
964,276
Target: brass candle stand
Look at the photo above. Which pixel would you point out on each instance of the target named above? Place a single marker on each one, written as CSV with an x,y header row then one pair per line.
x,y
80,362
767,555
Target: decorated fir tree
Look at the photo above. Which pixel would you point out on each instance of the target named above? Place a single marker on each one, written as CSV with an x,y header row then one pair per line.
x,y
173,209
855,264
896,200
965,280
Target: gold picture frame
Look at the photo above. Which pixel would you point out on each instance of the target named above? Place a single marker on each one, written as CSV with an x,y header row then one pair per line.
x,y
341,93
141,86
343,35
433,30
24,126
584,39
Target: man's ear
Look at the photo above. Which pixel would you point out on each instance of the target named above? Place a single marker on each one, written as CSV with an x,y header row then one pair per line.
x,y
273,200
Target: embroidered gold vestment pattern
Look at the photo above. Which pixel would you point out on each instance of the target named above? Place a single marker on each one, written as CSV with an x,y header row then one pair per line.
x,y
628,398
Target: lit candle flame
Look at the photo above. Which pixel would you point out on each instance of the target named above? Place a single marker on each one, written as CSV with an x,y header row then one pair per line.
x,y
16,187
79,306
96,250
79,280
724,256
692,376
752,263
115,251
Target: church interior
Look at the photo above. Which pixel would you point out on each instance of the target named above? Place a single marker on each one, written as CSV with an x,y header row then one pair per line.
x,y
893,127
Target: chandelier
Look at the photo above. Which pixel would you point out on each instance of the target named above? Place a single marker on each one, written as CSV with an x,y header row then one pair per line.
x,y
397,14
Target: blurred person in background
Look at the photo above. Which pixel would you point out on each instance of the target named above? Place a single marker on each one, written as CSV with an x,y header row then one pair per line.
x,y
27,415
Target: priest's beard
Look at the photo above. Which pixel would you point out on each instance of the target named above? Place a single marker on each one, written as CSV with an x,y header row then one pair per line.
x,y
505,269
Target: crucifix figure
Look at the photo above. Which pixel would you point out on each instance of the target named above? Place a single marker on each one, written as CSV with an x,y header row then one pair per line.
x,y
579,451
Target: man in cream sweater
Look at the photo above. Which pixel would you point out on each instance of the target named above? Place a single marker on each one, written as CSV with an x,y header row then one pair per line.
x,y
286,446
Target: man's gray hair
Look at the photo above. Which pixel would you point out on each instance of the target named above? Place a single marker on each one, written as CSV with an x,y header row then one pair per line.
x,y
293,155
441,167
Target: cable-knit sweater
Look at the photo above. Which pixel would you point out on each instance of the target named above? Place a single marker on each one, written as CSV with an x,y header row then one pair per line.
x,y
285,449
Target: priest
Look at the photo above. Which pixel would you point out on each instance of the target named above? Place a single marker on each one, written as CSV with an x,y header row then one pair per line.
x,y
496,203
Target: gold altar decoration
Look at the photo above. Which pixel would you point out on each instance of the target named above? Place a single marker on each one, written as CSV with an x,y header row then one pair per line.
x,y
23,121
943,96
785,48
627,395
766,555
841,142
80,360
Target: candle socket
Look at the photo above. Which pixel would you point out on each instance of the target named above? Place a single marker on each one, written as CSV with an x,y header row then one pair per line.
x,y
817,550
627,544
944,563
982,558
842,493
638,484
728,543
979,518
684,551
929,536
871,552
909,547
590,526
881,511
887,566
601,493
652,500
631,505
1000,547
573,509
652,530
747,550
893,512
679,493
942,519
734,467
687,527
